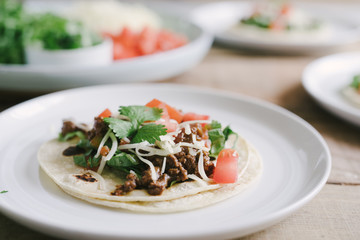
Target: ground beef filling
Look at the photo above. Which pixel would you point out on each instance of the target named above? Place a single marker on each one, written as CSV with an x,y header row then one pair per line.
x,y
178,166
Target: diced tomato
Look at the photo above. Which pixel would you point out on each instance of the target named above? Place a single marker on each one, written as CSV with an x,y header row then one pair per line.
x,y
226,170
285,9
147,41
168,40
153,103
106,113
171,112
128,38
128,43
190,116
170,125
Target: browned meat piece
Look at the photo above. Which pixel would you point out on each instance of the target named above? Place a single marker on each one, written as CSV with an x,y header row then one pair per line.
x,y
157,187
129,185
69,126
99,129
196,129
173,162
146,178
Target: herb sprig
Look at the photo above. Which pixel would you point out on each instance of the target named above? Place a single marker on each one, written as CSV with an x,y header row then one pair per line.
x,y
133,129
218,137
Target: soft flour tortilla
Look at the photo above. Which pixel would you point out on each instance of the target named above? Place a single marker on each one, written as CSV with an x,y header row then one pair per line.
x,y
180,197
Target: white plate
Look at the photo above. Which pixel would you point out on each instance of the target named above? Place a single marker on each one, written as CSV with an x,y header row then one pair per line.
x,y
218,18
296,166
325,78
140,69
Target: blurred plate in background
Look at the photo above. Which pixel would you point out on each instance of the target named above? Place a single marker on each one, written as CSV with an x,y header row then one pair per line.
x,y
325,79
218,18
153,67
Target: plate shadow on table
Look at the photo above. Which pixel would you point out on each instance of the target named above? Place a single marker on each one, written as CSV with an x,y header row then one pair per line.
x,y
267,52
12,230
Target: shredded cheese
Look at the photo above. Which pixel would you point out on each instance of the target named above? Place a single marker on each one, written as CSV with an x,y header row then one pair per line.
x,y
201,166
103,141
187,129
163,166
197,146
102,184
196,178
151,151
149,163
110,154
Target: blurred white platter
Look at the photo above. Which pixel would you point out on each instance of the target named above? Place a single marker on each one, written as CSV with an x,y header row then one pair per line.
x,y
296,160
218,18
325,78
153,67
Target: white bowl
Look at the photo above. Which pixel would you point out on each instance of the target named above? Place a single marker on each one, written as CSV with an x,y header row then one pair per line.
x,y
97,55
40,78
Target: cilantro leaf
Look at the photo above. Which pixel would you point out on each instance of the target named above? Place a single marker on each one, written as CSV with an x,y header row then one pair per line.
x,y
173,182
120,127
86,145
71,135
217,139
80,160
214,125
93,161
227,132
86,160
122,160
150,132
90,162
140,114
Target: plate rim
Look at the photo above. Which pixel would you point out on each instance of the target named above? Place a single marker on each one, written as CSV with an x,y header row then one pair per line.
x,y
329,106
273,46
253,226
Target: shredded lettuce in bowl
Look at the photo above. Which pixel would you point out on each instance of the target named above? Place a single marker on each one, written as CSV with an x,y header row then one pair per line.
x,y
52,32
11,32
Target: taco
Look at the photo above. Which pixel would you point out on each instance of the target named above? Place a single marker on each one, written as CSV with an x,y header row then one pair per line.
x,y
151,158
352,91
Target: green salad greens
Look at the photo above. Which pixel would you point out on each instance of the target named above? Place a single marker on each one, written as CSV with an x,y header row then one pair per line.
x,y
11,32
19,29
53,32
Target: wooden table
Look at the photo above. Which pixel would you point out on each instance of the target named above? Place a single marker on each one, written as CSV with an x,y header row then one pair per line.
x,y
335,212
